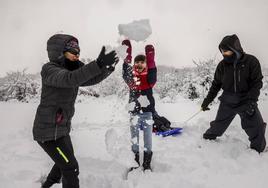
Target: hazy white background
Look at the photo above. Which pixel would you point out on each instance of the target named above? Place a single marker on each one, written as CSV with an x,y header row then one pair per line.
x,y
183,30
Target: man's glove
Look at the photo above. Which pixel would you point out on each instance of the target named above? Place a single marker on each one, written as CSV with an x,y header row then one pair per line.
x,y
250,108
128,58
204,105
107,60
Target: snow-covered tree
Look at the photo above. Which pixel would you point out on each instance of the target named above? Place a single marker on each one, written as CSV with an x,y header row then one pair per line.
x,y
19,85
204,74
192,83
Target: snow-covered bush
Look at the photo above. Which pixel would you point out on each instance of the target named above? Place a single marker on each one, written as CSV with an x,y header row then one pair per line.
x,y
20,86
192,92
113,85
169,81
203,76
192,83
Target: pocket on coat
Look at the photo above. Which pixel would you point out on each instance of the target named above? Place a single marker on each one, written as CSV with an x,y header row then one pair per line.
x,y
61,117
46,115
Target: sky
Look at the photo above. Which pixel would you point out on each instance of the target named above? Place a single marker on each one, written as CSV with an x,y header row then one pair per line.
x,y
182,30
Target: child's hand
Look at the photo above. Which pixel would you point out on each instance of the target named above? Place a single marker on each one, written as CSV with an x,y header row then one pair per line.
x,y
127,43
149,51
129,50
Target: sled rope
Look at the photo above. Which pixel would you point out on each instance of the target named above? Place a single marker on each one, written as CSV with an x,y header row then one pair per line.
x,y
192,116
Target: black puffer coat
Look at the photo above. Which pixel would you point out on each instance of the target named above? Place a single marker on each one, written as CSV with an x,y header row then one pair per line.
x,y
60,81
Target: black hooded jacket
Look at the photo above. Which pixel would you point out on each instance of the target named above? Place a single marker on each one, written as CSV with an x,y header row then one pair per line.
x,y
60,81
242,77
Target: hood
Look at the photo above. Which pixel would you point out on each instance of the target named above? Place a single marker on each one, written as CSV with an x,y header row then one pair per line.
x,y
232,43
56,44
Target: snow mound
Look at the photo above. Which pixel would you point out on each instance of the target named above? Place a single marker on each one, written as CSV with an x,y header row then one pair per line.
x,y
110,140
138,30
116,147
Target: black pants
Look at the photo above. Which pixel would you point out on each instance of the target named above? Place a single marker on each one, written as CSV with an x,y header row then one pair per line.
x,y
253,125
65,167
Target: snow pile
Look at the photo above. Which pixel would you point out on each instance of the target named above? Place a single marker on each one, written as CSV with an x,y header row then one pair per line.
x,y
138,30
143,100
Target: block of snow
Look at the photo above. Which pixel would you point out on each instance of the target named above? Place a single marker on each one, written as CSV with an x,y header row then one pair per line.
x,y
138,30
143,100
120,50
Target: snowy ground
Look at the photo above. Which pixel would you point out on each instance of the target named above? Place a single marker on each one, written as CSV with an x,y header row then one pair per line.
x,y
101,140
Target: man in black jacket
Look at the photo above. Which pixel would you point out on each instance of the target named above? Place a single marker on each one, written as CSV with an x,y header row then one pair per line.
x,y
239,75
61,77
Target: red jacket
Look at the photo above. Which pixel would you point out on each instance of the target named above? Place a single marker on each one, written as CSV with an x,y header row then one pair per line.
x,y
141,81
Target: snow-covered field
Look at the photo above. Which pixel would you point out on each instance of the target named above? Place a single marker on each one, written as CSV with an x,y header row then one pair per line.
x,y
101,141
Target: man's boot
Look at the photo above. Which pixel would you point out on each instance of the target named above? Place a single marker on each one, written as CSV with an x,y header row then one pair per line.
x,y
208,136
147,160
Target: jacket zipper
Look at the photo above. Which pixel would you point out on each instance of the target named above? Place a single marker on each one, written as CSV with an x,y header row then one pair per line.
x,y
235,77
56,131
239,75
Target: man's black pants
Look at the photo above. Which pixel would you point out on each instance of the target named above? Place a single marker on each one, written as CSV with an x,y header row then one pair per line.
x,y
254,125
65,167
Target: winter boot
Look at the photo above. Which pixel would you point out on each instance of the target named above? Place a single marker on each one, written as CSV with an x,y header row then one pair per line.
x,y
137,159
48,183
207,136
147,161
53,177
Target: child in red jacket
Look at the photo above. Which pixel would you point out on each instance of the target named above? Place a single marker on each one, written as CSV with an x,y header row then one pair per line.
x,y
141,78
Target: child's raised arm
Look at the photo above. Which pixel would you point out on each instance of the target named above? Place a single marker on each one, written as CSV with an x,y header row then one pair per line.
x,y
127,68
152,70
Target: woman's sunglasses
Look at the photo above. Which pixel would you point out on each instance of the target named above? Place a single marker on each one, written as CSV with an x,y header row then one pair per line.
x,y
74,51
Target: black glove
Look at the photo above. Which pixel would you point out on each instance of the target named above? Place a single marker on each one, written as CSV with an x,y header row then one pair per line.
x,y
111,68
204,105
250,108
107,60
146,109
